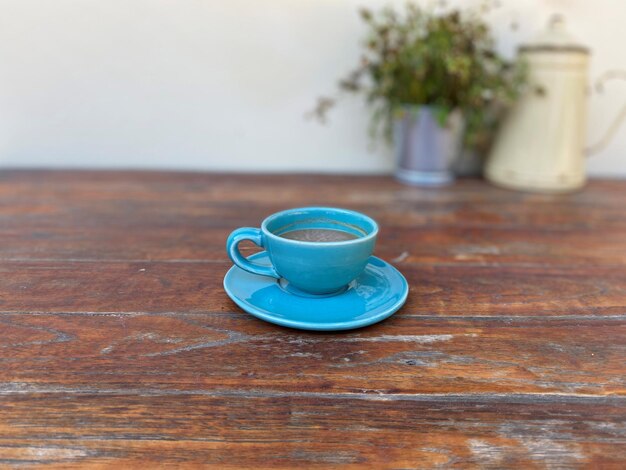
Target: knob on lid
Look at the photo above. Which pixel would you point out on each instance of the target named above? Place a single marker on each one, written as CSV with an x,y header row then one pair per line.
x,y
555,38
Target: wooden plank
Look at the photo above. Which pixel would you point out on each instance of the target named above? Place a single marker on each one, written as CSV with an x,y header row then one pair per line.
x,y
468,202
208,207
139,242
405,355
153,287
152,429
233,187
145,216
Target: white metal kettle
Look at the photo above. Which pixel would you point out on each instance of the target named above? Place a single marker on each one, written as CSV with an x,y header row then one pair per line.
x,y
541,143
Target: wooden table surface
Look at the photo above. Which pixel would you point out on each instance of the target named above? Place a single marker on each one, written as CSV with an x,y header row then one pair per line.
x,y
120,349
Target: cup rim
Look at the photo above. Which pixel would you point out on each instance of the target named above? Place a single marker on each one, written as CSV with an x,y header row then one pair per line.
x,y
290,241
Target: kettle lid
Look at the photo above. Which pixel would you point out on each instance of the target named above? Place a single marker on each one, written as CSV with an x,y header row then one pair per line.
x,y
555,38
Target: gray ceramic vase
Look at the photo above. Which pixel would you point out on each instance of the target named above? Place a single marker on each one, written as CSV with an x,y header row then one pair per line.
x,y
425,151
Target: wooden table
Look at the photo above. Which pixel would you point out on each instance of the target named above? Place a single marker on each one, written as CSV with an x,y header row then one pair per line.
x,y
119,348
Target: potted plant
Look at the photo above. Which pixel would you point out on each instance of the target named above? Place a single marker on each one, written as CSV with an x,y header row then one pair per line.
x,y
435,84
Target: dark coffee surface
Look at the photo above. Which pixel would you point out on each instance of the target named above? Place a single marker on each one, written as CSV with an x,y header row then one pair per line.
x,y
319,235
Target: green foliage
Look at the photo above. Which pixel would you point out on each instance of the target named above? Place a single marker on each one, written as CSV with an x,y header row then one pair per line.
x,y
438,57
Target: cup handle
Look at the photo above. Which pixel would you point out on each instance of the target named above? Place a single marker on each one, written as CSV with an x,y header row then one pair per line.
x,y
232,248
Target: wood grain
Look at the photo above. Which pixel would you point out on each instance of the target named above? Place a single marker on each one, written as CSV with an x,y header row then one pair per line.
x,y
151,429
114,241
404,355
189,217
119,348
156,287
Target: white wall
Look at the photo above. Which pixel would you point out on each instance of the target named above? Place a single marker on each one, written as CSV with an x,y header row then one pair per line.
x,y
223,84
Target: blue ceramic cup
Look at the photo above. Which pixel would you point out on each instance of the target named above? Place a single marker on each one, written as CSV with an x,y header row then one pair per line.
x,y
309,267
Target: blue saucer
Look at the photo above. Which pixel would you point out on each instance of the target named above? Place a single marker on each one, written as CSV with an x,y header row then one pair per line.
x,y
375,295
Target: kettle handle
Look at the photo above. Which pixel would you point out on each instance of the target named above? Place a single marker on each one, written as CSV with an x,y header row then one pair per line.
x,y
617,122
